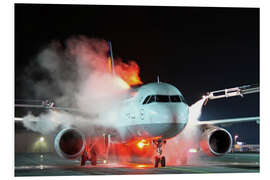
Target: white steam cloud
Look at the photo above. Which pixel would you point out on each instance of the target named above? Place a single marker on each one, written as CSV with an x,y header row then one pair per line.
x,y
177,149
77,76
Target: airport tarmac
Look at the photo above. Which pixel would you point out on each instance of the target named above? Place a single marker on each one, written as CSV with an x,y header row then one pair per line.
x,y
27,164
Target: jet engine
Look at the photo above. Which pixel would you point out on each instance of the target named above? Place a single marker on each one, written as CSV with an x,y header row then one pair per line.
x,y
215,141
69,143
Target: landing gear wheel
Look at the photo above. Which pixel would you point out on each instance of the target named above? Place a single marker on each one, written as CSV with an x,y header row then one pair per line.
x,y
93,158
163,161
156,161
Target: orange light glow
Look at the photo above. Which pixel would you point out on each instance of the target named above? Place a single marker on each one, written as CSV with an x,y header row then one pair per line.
x,y
144,166
129,72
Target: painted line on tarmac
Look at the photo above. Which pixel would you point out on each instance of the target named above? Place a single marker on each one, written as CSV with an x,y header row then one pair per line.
x,y
184,169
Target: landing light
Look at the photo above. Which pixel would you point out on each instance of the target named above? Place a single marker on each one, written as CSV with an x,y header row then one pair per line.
x,y
142,143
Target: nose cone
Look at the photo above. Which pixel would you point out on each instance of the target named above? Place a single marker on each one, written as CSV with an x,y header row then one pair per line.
x,y
168,119
170,113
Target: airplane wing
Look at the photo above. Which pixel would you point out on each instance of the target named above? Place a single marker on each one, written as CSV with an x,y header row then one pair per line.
x,y
50,106
230,121
47,107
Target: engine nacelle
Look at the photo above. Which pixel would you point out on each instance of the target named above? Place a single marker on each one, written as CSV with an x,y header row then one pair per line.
x,y
216,141
69,143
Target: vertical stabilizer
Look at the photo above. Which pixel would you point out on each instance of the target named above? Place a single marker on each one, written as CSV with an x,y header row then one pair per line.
x,y
111,61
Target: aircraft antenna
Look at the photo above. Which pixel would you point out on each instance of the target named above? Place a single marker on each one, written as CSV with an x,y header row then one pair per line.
x,y
158,78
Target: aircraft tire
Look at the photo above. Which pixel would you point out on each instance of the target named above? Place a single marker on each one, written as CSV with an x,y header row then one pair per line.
x,y
163,161
156,162
93,158
83,159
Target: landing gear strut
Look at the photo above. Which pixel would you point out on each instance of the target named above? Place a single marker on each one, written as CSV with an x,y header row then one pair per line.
x,y
159,158
93,157
85,157
107,141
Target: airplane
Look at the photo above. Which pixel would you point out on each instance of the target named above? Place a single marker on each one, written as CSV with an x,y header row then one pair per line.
x,y
155,111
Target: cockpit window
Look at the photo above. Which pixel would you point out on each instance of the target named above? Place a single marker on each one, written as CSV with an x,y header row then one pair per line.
x,y
146,99
183,99
163,99
175,98
152,99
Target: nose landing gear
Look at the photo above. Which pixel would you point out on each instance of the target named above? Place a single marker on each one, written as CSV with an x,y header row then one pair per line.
x,y
159,158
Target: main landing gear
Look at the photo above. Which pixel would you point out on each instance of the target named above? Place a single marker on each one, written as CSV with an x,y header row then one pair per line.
x,y
159,158
107,142
90,152
85,156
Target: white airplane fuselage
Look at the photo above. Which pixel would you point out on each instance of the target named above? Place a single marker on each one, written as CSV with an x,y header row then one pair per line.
x,y
156,110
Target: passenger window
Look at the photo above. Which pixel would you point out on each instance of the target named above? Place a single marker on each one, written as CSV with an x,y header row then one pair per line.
x,y
162,98
175,98
146,99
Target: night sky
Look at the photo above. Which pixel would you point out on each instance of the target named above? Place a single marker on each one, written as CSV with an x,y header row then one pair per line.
x,y
196,49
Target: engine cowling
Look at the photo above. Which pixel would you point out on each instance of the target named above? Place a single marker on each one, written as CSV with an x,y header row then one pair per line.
x,y
69,143
216,141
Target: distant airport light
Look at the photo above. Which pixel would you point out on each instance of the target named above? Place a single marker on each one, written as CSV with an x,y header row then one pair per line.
x,y
41,139
235,138
240,143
